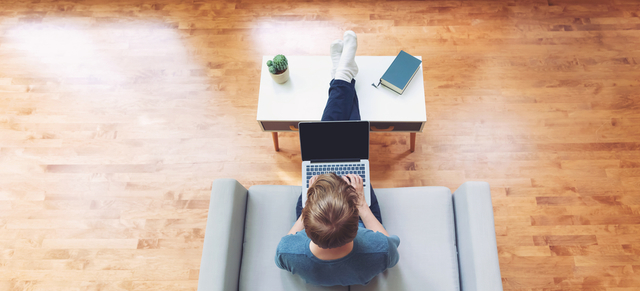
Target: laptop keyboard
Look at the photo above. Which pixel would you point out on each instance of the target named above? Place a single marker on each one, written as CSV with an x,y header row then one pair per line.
x,y
339,169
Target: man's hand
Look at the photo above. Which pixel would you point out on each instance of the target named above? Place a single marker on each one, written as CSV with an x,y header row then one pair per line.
x,y
369,220
313,180
356,181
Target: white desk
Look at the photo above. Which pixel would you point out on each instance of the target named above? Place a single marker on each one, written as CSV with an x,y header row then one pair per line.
x,y
303,97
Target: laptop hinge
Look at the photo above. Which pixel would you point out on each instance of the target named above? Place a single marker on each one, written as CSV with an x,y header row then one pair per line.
x,y
334,160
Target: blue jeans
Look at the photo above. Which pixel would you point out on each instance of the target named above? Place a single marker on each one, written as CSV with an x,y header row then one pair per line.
x,y
343,105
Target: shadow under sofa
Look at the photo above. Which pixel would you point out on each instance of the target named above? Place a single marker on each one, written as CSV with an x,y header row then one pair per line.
x,y
447,241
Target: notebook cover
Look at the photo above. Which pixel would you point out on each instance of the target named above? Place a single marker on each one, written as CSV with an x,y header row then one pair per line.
x,y
401,70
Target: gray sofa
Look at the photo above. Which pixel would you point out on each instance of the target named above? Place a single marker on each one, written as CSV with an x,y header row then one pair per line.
x,y
447,242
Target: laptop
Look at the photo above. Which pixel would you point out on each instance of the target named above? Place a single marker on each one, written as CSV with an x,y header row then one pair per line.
x,y
340,147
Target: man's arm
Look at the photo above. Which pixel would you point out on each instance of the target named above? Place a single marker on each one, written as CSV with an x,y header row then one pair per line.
x,y
369,220
298,226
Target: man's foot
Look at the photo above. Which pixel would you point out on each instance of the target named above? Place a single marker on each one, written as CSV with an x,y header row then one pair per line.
x,y
347,68
336,53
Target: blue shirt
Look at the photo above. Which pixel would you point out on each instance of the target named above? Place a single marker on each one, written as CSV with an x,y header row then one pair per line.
x,y
373,252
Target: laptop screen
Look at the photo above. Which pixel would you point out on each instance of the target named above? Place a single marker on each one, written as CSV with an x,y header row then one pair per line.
x,y
334,140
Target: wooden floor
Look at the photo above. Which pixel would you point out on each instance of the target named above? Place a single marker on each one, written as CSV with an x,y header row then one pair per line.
x,y
116,116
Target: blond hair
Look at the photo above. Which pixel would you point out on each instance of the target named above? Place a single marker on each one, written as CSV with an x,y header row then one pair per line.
x,y
330,216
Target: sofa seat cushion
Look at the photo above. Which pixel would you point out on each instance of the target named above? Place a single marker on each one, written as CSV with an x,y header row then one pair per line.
x,y
423,218
270,215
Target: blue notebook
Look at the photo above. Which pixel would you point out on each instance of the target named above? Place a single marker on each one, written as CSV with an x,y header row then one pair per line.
x,y
400,72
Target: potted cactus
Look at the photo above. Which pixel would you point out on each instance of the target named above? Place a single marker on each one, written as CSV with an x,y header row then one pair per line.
x,y
279,69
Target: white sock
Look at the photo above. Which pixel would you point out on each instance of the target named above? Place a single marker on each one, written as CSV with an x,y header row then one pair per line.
x,y
347,67
336,53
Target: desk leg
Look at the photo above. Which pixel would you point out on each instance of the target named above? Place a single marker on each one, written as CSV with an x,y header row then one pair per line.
x,y
412,138
275,140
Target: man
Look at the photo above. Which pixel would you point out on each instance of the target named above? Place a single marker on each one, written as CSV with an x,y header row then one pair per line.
x,y
328,245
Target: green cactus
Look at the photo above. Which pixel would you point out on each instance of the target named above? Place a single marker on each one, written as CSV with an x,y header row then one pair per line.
x,y
278,65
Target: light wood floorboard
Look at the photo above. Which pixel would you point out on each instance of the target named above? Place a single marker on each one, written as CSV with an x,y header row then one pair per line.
x,y
116,116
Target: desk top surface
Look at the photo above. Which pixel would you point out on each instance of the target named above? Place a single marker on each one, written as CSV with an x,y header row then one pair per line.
x,y
304,96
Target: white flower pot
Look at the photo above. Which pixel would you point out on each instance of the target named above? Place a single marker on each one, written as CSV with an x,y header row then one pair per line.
x,y
282,77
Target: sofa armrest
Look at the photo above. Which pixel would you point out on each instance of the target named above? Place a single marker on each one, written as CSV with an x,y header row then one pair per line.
x,y
222,250
476,238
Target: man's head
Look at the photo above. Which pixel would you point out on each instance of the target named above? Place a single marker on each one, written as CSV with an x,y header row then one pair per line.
x,y
330,216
